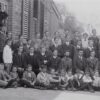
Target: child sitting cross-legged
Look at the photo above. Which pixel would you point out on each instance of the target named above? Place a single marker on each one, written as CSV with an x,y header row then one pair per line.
x,y
86,82
5,79
96,81
63,80
47,80
29,78
54,79
72,82
43,78
14,78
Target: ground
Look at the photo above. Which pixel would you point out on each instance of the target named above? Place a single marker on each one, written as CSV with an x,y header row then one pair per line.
x,y
33,94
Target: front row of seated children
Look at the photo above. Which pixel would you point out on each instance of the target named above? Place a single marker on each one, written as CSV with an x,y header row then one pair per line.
x,y
61,80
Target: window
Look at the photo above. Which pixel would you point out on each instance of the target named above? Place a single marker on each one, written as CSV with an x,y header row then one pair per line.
x,y
35,8
41,19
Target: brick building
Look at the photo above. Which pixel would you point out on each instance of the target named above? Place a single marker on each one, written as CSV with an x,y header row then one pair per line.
x,y
31,17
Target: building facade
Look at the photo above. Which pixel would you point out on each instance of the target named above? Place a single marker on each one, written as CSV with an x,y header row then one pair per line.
x,y
31,17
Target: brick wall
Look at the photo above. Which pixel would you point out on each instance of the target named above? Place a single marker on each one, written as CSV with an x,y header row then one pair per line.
x,y
15,19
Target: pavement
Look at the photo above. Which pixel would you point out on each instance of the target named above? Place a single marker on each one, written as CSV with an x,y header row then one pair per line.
x,y
34,94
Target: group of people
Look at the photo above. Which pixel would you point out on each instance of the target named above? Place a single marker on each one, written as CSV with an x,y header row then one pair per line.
x,y
56,63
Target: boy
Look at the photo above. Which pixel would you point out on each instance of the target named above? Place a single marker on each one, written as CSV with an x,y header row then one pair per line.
x,y
29,78
72,82
96,82
5,78
43,78
54,79
14,78
86,83
66,62
63,80
8,56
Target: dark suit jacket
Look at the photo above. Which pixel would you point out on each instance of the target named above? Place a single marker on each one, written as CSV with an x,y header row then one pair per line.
x,y
80,64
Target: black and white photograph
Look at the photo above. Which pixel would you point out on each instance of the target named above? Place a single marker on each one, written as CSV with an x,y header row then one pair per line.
x,y
49,49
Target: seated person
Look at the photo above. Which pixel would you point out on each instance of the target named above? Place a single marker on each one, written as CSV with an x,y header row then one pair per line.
x,y
86,83
63,80
43,78
78,77
14,78
66,62
54,61
54,79
80,62
29,78
5,78
96,82
72,82
92,64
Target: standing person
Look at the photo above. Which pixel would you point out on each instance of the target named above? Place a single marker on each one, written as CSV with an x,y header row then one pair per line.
x,y
20,61
95,40
33,60
85,44
75,39
9,36
89,49
8,56
67,46
85,41
56,46
77,48
17,44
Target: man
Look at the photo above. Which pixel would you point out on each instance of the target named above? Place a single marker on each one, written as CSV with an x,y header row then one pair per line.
x,y
80,62
93,64
66,62
54,61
